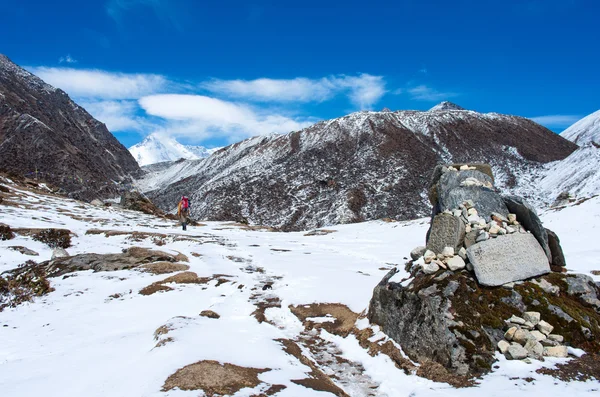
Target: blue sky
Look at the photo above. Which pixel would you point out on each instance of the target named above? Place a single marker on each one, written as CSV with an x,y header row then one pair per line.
x,y
212,73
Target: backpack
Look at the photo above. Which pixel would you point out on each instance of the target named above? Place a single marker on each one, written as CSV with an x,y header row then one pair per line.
x,y
185,203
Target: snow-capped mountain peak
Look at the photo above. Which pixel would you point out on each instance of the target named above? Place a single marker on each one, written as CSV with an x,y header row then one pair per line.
x,y
446,106
157,148
585,130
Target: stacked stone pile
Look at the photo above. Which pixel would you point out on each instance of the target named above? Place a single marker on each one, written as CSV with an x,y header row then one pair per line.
x,y
500,238
530,336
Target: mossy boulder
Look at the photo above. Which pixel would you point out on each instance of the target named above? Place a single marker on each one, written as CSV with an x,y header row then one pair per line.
x,y
450,319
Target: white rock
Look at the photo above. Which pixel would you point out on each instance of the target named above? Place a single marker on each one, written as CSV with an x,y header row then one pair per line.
x,y
556,351
456,263
521,336
482,222
464,167
462,252
448,252
482,237
510,230
430,268
494,229
512,218
417,252
533,317
59,253
516,352
544,327
429,256
457,213
472,211
474,219
467,228
503,346
508,335
556,338
538,335
528,325
516,320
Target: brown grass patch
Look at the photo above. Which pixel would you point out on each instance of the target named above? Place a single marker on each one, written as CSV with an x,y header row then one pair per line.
x,y
438,373
163,267
186,278
582,369
595,272
214,378
344,317
153,288
210,314
318,379
320,232
274,389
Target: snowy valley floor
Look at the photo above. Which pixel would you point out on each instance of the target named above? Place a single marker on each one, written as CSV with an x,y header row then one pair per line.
x,y
95,335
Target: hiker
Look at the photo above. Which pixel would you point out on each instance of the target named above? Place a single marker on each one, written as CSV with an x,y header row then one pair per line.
x,y
183,211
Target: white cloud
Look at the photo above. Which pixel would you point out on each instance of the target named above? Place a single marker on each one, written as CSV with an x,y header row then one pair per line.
x,y
201,117
425,93
67,59
101,84
117,115
363,90
556,120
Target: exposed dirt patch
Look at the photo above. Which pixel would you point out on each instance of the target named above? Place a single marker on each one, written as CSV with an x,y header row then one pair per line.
x,y
274,389
595,272
23,287
320,232
210,314
280,250
318,379
154,288
584,368
214,378
163,267
344,317
54,238
437,373
262,305
195,254
186,278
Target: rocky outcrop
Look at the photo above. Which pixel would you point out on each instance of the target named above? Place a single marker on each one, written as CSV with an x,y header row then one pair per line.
x,y
138,202
484,283
45,135
367,165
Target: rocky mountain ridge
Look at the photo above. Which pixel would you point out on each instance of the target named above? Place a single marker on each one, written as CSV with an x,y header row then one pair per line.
x,y
584,131
367,165
45,135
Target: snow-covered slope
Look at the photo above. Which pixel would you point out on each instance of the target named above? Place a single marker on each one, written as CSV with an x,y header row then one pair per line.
x,y
363,166
578,174
585,130
97,336
446,106
157,148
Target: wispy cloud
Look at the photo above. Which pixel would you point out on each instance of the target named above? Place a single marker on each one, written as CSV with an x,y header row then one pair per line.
x,y
557,120
363,90
67,59
102,84
164,10
118,115
200,117
426,93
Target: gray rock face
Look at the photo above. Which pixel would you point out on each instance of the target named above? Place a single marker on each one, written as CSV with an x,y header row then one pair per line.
x,y
46,135
24,250
528,217
583,286
446,231
417,252
507,258
558,257
453,188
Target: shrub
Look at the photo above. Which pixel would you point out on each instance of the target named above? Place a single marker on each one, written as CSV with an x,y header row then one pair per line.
x,y
6,233
54,238
23,285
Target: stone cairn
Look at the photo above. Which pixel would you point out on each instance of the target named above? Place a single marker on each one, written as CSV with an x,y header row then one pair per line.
x,y
530,336
500,239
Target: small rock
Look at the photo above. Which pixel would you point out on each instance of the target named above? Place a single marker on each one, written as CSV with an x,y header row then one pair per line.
x,y
470,266
464,167
538,335
494,229
462,252
501,231
533,317
417,252
516,320
556,351
549,343
528,325
503,346
467,228
451,288
24,250
482,223
468,204
472,211
516,352
544,327
97,202
59,253
556,338
512,218
482,237
535,349
473,219
508,335
429,256
457,213
456,263
499,217
447,212
430,268
510,285
547,287
448,252
521,336
510,230
440,264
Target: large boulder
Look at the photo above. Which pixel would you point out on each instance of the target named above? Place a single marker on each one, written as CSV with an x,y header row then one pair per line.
x,y
507,258
453,320
136,201
446,231
558,257
528,217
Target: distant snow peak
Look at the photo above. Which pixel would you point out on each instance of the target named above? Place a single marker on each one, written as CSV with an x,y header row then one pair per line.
x,y
157,148
585,130
446,106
